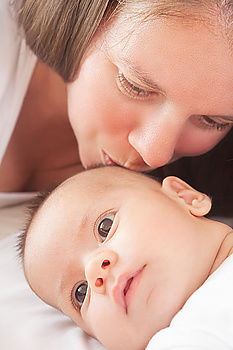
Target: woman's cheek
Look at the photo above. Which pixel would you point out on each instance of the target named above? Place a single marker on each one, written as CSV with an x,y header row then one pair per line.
x,y
195,141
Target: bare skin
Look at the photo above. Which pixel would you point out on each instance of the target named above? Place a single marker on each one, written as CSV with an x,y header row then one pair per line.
x,y
43,148
225,250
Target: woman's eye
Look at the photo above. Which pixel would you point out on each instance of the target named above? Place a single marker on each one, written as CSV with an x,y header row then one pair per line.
x,y
79,293
104,226
209,123
131,90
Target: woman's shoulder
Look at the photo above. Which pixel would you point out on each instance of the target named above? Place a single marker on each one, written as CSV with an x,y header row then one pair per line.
x,y
16,66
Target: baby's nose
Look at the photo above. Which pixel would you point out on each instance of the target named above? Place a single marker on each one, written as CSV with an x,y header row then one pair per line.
x,y
98,269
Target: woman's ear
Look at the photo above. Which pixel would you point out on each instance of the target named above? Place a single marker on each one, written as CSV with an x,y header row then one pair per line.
x,y
199,204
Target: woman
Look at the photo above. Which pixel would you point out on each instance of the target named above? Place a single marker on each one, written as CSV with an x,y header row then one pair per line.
x,y
136,83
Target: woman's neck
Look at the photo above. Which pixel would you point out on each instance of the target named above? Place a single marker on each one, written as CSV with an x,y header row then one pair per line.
x,y
43,148
47,93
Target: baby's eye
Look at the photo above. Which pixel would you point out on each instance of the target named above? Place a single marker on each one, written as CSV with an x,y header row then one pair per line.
x,y
104,225
79,293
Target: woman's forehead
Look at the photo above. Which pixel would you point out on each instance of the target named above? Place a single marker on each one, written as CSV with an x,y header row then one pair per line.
x,y
192,10
133,15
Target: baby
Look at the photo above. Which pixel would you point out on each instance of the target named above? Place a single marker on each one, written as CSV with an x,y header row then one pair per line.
x,y
120,253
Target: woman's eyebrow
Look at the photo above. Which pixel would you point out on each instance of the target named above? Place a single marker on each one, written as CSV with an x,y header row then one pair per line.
x,y
141,75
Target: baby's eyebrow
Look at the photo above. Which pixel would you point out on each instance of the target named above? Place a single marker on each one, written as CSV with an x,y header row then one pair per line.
x,y
82,225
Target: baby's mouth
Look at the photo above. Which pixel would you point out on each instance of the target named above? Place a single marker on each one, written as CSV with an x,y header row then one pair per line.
x,y
128,283
121,290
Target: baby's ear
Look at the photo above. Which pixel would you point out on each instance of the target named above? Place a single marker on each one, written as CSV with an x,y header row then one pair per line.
x,y
199,204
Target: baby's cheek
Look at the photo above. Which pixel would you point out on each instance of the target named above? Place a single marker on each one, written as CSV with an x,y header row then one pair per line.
x,y
111,326
104,321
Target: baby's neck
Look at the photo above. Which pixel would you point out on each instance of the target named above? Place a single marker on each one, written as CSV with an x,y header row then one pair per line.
x,y
225,250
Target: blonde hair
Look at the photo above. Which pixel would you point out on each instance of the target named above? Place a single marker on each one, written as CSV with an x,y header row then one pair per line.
x,y
59,31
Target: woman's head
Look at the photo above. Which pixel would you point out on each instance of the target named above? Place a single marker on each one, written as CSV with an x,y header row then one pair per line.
x,y
154,83
59,32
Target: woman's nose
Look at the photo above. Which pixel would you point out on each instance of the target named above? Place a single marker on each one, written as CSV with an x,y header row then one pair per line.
x,y
98,269
156,137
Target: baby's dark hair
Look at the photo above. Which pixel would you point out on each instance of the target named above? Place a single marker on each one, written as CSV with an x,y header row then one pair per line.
x,y
31,211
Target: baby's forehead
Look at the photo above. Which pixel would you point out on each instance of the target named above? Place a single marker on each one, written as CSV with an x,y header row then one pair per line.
x,y
100,185
112,177
95,186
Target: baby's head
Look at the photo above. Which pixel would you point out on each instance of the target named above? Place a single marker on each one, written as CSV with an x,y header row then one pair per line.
x,y
119,253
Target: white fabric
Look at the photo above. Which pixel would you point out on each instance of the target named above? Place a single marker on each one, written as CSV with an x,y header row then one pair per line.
x,y
12,217
8,199
206,320
16,66
26,322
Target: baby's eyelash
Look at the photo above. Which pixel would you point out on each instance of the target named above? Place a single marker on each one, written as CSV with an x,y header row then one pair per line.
x,y
71,300
78,305
131,90
100,234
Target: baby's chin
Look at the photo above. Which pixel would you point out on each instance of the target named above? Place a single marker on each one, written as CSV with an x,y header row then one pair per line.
x,y
123,342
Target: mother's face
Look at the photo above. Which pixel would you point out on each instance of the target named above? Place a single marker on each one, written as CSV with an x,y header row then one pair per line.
x,y
148,94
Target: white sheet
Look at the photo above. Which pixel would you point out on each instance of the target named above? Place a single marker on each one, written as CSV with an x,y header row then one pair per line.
x,y
13,211
16,66
27,323
206,320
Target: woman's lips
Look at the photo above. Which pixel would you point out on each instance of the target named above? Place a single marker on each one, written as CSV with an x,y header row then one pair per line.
x,y
143,167
107,160
124,289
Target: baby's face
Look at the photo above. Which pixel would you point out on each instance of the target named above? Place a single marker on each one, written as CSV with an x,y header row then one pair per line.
x,y
112,251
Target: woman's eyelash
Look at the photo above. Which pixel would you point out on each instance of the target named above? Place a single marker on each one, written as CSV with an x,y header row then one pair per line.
x,y
209,123
131,90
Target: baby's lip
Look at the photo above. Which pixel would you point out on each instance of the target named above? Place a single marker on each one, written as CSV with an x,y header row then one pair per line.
x,y
122,287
